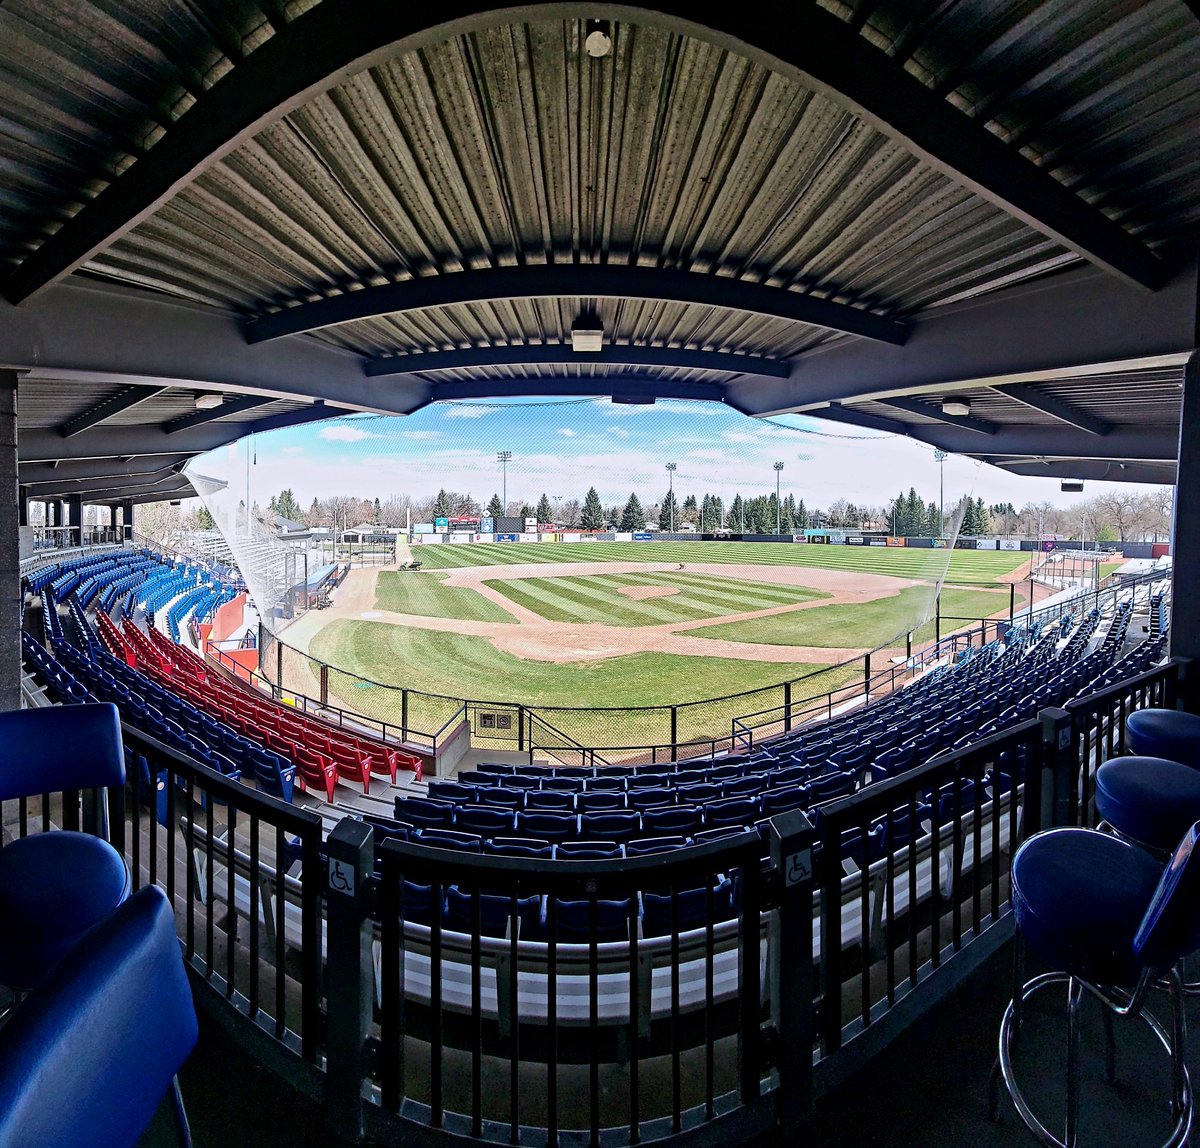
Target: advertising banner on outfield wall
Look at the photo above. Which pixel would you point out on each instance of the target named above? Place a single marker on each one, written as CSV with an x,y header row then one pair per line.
x,y
892,541
799,538
1010,544
643,537
854,540
987,544
837,537
505,537
486,538
570,537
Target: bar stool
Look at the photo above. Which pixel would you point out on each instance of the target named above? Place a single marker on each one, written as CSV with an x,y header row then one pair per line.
x,y
1164,733
1150,800
1112,920
55,886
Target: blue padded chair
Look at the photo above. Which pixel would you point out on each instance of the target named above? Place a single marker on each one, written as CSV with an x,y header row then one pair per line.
x,y
452,791
1164,733
90,1053
1148,799
780,800
519,847
559,800
498,797
546,825
574,923
587,851
832,785
691,911
593,801
731,811
449,839
657,796
55,886
672,819
644,845
618,825
421,812
486,820
495,913
1111,920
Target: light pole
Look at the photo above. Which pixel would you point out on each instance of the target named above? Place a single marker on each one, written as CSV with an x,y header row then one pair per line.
x,y
504,457
778,468
940,456
671,493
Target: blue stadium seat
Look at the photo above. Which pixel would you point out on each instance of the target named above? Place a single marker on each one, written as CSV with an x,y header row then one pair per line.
x,y
486,820
546,825
588,851
615,825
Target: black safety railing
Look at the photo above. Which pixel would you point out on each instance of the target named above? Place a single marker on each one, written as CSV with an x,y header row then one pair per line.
x,y
224,853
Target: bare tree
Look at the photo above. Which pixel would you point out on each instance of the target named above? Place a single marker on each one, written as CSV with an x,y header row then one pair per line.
x,y
343,511
1118,509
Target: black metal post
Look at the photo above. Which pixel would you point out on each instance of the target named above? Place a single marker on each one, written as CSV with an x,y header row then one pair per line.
x,y
791,969
937,617
324,684
351,849
1058,776
1185,537
674,733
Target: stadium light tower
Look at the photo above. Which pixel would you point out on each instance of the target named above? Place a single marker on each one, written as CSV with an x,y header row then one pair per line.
x,y
940,457
778,468
671,493
504,457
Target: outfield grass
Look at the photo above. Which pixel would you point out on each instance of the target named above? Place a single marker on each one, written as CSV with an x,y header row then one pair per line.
x,y
970,565
408,592
462,665
867,624
598,598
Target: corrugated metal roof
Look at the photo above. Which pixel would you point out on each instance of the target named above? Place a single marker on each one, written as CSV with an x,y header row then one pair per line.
x,y
508,145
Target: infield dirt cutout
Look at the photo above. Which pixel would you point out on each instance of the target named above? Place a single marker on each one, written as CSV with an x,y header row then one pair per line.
x,y
535,638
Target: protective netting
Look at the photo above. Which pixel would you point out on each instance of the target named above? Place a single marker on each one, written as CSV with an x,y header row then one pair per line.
x,y
276,573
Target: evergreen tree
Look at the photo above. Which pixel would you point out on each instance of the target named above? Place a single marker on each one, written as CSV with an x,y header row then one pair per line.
x,y
737,514
933,520
494,508
691,512
983,521
441,505
633,518
378,510
593,512
668,517
526,510
204,519
853,516
286,506
314,513
544,511
800,516
915,521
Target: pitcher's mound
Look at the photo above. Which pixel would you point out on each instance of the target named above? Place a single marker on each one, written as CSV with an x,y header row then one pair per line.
x,y
643,592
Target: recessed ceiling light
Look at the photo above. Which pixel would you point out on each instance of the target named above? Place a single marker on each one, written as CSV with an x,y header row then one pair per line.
x,y
956,406
208,402
587,335
597,38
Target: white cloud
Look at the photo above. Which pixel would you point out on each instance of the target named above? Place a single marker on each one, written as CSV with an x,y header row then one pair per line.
x,y
620,432
421,435
739,436
345,434
465,412
566,431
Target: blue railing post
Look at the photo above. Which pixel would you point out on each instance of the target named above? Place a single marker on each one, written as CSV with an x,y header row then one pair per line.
x,y
791,972
351,864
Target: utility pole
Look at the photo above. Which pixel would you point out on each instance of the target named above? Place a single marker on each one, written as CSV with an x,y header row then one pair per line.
x,y
940,456
778,468
671,492
504,457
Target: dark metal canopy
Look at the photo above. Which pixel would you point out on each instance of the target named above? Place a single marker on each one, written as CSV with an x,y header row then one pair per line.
x,y
854,211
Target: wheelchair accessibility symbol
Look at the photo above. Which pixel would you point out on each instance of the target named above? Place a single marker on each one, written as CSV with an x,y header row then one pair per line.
x,y
341,879
798,867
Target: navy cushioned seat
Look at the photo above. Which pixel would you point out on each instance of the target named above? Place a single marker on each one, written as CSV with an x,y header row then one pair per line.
x,y
1078,899
1150,799
82,876
1164,733
88,1056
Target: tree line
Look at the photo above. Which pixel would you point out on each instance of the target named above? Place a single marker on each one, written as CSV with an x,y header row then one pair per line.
x,y
1132,515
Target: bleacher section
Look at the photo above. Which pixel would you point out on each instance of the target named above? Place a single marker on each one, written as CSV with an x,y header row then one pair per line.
x,y
594,812
172,694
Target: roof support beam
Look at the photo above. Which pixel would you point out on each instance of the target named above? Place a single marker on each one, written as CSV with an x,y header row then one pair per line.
x,y
1056,408
588,280
837,413
65,474
231,406
1078,322
107,409
561,353
625,388
933,411
338,38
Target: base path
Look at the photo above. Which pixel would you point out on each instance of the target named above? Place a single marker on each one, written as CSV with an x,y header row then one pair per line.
x,y
535,638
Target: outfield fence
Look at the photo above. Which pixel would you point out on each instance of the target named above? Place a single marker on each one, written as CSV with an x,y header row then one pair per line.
x,y
636,735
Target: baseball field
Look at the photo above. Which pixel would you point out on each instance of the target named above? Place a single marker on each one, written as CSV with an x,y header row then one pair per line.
x,y
627,625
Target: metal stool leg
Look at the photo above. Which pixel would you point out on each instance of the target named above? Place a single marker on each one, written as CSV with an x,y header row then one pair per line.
x,y
1074,1007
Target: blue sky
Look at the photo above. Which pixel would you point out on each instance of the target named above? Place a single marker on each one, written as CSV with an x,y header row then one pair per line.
x,y
562,447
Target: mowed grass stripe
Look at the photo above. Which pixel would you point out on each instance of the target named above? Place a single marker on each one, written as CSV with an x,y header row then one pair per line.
x,y
462,665
408,592
902,562
717,588
598,598
867,624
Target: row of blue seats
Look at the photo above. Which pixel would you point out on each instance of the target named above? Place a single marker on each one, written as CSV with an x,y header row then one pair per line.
x,y
37,580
